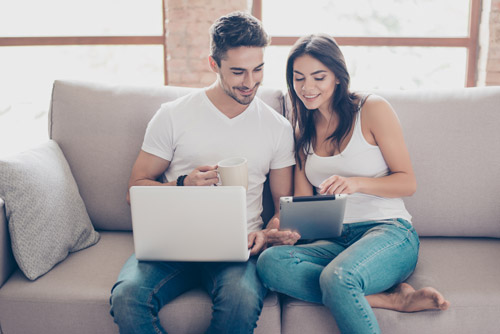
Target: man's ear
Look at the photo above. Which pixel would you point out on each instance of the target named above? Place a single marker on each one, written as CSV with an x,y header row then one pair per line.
x,y
213,64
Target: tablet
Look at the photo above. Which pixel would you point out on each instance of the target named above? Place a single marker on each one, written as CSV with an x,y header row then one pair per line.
x,y
313,217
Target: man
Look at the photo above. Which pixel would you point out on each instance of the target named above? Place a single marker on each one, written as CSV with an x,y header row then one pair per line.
x,y
184,141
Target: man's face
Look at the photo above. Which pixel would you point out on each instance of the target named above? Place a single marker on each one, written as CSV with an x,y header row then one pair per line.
x,y
241,73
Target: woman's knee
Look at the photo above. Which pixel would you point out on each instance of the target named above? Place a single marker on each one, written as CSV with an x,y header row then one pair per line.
x,y
335,281
269,263
265,260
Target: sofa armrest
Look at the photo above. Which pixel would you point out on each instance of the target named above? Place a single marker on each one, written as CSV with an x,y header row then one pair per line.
x,y
7,263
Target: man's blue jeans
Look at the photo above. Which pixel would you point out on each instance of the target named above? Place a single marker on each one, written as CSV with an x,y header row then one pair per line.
x,y
144,287
368,258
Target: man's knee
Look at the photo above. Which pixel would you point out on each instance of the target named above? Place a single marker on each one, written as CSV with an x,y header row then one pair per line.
x,y
243,299
125,296
242,292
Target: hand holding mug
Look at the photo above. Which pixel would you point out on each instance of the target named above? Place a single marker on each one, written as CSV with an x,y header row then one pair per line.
x,y
233,172
202,176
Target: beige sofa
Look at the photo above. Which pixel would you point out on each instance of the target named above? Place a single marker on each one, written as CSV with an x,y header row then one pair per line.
x,y
454,140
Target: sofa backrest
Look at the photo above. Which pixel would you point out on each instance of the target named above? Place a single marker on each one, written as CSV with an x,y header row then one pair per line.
x,y
100,129
453,137
454,141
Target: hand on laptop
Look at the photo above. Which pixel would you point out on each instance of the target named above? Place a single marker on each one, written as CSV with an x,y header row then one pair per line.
x,y
257,242
275,236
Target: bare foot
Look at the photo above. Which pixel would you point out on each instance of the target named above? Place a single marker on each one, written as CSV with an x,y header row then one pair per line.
x,y
405,298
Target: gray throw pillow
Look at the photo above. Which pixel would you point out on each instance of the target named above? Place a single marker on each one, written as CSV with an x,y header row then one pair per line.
x,y
46,215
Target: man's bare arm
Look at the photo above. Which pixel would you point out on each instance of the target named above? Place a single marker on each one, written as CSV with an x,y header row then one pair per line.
x,y
147,168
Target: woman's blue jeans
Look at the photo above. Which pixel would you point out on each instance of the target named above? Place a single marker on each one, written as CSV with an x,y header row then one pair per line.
x,y
368,258
144,287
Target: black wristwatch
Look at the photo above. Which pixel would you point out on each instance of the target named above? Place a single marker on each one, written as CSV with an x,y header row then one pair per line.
x,y
180,180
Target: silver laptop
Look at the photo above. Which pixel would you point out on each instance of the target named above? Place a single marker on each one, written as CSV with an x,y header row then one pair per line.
x,y
189,223
313,217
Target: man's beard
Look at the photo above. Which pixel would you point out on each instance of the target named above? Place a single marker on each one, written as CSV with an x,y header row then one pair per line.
x,y
232,93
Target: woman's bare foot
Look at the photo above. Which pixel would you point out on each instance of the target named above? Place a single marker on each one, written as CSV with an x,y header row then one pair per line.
x,y
405,298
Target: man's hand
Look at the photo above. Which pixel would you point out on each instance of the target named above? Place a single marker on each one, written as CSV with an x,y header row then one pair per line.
x,y
257,242
202,176
276,237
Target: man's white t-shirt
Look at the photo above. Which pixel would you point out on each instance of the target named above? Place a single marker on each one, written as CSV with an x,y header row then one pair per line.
x,y
191,132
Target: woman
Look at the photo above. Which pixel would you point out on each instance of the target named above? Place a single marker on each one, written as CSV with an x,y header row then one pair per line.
x,y
348,143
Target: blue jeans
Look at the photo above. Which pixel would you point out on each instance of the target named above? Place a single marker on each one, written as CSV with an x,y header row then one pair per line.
x,y
368,258
144,287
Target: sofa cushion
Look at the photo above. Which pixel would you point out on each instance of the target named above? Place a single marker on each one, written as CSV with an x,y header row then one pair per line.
x,y
192,311
78,289
100,129
47,217
7,262
463,269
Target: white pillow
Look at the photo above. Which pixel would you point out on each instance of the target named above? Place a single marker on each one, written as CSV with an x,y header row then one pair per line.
x,y
46,215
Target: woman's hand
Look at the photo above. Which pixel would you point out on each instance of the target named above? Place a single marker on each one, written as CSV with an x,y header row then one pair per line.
x,y
339,185
275,236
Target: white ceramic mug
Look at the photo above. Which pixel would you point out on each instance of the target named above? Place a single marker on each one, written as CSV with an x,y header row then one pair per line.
x,y
233,172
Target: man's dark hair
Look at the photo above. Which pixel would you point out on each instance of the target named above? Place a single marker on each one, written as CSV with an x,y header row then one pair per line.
x,y
234,30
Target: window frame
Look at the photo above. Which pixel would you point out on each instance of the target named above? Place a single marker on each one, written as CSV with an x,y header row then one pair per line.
x,y
470,42
96,40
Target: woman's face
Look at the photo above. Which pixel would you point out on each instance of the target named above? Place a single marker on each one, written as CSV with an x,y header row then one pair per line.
x,y
313,83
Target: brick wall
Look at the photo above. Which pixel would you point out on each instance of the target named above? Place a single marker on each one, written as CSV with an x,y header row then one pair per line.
x,y
492,68
188,40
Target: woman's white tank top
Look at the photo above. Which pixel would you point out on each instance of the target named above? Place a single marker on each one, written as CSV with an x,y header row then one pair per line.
x,y
359,158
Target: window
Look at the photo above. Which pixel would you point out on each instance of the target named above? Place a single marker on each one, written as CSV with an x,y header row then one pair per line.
x,y
95,40
391,44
